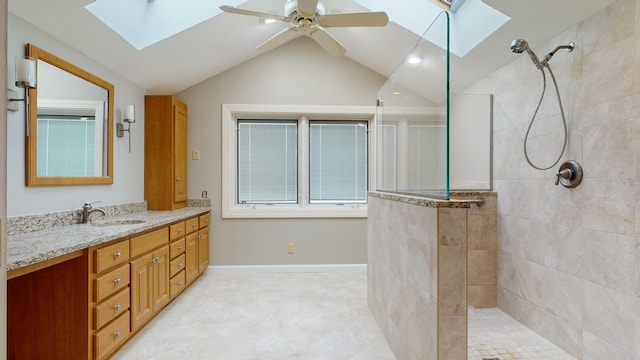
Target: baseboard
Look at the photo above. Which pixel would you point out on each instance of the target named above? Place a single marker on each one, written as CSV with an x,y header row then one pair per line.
x,y
289,268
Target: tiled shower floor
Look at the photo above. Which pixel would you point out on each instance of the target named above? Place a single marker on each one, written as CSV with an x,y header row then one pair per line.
x,y
495,335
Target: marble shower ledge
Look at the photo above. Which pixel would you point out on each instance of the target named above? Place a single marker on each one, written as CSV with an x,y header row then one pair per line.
x,y
436,203
30,248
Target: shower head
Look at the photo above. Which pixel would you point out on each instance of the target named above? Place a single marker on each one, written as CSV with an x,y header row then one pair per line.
x,y
519,46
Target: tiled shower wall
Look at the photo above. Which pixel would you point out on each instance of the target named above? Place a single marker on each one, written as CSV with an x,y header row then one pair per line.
x,y
417,278
569,259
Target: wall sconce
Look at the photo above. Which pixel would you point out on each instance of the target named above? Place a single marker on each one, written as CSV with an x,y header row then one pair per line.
x,y
26,79
129,118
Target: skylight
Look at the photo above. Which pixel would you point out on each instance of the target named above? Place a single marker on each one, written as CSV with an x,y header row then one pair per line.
x,y
143,22
473,22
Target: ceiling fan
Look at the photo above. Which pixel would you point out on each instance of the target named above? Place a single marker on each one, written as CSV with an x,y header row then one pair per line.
x,y
308,19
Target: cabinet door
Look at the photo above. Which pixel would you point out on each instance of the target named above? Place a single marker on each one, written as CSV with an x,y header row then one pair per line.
x,y
203,249
180,153
192,257
160,278
141,295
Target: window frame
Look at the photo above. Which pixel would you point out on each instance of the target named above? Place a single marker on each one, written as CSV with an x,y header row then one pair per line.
x,y
302,113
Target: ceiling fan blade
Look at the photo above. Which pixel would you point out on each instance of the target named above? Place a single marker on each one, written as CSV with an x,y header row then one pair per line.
x,y
327,42
234,10
307,7
354,19
279,39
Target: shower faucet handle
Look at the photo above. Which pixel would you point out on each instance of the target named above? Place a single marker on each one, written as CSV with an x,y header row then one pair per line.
x,y
565,174
570,174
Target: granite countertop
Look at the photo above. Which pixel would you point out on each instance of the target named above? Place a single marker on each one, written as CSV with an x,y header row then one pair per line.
x,y
33,247
456,198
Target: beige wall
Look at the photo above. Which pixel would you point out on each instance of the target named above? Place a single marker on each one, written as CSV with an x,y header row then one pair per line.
x,y
297,73
128,168
569,259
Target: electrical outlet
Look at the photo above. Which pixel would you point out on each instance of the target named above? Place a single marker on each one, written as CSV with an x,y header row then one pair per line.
x,y
291,248
204,194
195,154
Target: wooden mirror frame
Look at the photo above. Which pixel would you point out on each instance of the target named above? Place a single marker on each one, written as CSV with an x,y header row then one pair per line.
x,y
31,142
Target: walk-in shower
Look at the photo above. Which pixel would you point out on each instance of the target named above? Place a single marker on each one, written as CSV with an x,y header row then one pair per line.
x,y
519,46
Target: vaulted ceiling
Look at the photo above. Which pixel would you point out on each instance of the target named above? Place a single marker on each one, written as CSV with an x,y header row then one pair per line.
x,y
226,40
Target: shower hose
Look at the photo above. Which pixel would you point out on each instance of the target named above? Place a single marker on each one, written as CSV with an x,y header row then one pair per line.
x,y
564,121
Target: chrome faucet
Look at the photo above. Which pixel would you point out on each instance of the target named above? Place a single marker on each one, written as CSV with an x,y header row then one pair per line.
x,y
87,210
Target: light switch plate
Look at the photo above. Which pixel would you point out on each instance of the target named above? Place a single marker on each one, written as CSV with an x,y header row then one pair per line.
x,y
195,154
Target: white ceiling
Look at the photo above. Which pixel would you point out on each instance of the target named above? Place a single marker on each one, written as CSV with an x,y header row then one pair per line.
x,y
227,40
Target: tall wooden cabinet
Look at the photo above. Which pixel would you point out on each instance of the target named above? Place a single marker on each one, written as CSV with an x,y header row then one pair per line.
x,y
165,152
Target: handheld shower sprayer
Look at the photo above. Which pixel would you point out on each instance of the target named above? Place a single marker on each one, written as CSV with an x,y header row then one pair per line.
x,y
519,46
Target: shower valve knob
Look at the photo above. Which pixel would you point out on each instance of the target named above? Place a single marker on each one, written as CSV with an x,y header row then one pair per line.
x,y
565,174
569,174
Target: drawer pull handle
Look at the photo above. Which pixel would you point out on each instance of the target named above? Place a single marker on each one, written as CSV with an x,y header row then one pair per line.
x,y
117,307
180,248
179,231
193,225
179,283
117,281
117,255
155,260
117,334
180,266
178,179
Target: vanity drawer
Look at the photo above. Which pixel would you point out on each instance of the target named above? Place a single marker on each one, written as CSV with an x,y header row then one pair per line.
x,y
177,284
111,336
192,225
204,220
149,241
110,308
177,265
176,248
177,231
110,256
110,282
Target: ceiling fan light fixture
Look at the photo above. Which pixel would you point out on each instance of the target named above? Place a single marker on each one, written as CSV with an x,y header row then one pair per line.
x,y
267,20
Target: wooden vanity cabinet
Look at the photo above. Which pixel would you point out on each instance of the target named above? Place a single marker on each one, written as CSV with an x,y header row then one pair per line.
x,y
165,152
109,298
87,304
149,275
178,264
203,243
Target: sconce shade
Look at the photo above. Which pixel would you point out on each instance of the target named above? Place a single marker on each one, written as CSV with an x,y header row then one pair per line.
x,y
130,114
26,73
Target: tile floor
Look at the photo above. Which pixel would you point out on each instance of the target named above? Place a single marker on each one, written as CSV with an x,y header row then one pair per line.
x,y
265,316
304,316
495,335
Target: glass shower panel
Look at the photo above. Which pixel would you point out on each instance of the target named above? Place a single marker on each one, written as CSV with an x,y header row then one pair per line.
x,y
413,119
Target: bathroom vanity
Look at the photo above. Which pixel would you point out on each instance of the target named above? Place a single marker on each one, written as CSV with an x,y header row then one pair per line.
x,y
81,291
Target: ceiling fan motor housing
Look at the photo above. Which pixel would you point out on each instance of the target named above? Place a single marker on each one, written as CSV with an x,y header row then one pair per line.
x,y
291,11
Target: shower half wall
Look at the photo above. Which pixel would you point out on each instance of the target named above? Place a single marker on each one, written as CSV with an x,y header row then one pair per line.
x,y
418,251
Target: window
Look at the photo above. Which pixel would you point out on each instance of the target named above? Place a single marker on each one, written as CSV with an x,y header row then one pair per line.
x,y
338,161
267,162
296,161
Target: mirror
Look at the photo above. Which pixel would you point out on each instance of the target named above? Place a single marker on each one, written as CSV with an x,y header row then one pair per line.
x,y
69,137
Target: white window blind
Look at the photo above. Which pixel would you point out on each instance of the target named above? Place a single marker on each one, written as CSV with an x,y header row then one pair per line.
x,y
66,146
267,161
338,161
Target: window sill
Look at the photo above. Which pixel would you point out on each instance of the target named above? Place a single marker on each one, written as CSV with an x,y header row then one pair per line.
x,y
294,211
